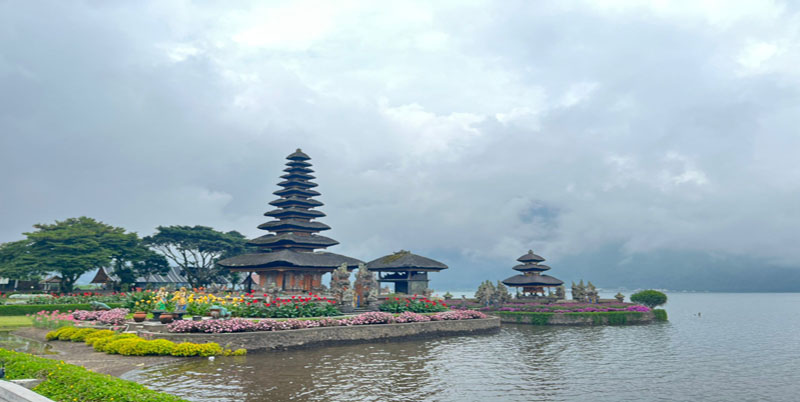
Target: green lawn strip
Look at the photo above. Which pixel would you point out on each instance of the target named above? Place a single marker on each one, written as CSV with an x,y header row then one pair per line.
x,y
15,321
542,318
67,382
22,309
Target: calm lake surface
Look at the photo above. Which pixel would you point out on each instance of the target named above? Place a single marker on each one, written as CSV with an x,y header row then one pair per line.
x,y
743,347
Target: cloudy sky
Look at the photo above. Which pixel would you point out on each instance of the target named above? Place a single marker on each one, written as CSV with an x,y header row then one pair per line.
x,y
638,144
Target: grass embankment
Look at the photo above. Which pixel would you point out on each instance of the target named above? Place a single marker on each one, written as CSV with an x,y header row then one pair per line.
x,y
22,309
15,321
598,318
65,382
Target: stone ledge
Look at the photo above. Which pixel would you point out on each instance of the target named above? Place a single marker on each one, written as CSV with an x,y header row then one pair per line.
x,y
632,318
11,392
268,340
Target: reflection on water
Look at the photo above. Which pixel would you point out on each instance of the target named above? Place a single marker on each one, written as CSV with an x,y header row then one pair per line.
x,y
737,351
16,343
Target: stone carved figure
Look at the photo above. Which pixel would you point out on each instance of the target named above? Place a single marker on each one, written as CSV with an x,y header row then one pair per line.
x,y
367,286
591,293
561,292
340,282
578,291
620,297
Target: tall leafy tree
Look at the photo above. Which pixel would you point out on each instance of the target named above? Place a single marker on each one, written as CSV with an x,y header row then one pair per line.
x,y
131,258
73,247
17,261
196,250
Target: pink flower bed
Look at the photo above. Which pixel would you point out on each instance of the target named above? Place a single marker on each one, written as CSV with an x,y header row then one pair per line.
x,y
114,316
243,325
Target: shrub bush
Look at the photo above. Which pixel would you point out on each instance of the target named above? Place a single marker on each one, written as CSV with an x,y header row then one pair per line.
x,y
661,315
650,298
80,335
65,382
22,309
103,333
66,333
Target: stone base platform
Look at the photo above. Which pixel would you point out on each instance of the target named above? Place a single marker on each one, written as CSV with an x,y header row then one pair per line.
x,y
577,319
307,337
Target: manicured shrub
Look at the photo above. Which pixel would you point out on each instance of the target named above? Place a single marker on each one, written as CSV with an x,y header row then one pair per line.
x,y
158,347
197,349
80,335
66,382
650,298
56,333
100,344
66,333
103,333
661,315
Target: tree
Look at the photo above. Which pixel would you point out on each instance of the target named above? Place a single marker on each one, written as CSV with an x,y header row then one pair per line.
x,y
132,259
650,298
73,247
17,262
196,250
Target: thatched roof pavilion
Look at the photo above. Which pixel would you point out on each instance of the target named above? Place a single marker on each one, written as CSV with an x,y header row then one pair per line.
x,y
532,280
408,271
286,258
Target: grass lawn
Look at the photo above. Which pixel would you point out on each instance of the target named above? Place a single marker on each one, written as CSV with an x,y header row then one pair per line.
x,y
15,321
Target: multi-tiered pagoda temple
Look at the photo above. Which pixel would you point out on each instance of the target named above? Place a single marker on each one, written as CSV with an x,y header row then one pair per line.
x,y
286,258
531,280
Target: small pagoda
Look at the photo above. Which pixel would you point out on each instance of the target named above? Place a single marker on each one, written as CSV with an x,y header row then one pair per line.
x,y
532,281
286,259
408,272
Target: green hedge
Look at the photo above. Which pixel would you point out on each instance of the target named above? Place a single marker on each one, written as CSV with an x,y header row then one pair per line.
x,y
661,315
22,309
66,382
612,317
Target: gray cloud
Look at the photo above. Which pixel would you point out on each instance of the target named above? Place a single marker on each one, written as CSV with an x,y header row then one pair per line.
x,y
624,141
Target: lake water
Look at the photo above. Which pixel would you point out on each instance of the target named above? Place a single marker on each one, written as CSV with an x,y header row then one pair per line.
x,y
743,347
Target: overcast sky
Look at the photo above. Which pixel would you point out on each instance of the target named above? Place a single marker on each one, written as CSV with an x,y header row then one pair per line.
x,y
623,141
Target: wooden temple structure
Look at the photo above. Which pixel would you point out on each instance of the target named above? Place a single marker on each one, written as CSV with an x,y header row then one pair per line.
x,y
531,281
286,259
408,272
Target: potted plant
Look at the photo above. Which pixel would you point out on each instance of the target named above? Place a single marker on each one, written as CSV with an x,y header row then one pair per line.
x,y
157,314
139,316
166,318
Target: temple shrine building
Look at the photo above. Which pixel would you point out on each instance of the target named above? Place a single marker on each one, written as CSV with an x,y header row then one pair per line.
x,y
408,272
287,258
531,280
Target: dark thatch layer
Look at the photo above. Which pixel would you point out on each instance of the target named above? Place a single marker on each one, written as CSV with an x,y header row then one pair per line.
x,y
291,191
298,164
291,239
294,213
530,257
297,183
530,267
290,259
296,202
298,169
298,156
287,224
404,261
533,280
298,176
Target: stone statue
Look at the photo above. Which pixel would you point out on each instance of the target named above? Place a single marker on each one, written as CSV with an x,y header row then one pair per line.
x,y
620,297
560,292
578,292
366,284
340,281
591,293
96,305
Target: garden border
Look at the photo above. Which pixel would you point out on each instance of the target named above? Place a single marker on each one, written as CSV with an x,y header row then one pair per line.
x,y
325,336
580,318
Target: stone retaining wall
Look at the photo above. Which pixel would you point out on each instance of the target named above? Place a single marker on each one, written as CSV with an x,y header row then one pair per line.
x,y
265,340
631,318
10,392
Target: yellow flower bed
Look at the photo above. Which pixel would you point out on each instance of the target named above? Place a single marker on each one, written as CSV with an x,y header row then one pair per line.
x,y
132,345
